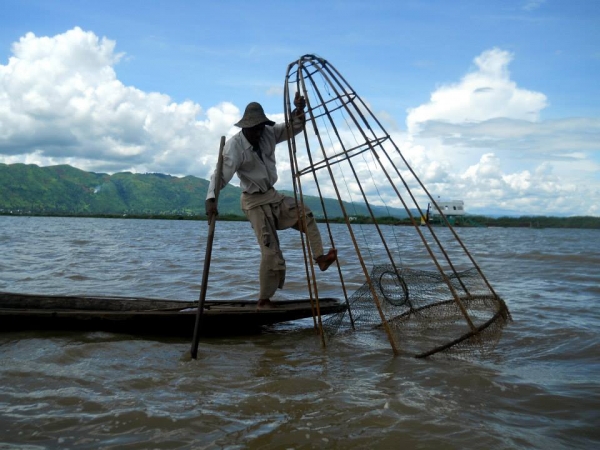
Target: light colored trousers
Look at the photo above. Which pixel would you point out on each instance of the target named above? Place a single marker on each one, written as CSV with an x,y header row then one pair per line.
x,y
268,213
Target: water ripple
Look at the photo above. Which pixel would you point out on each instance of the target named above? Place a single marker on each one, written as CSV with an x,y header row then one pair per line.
x,y
281,389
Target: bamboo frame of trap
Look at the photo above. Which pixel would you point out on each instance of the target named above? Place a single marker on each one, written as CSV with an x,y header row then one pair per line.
x,y
333,107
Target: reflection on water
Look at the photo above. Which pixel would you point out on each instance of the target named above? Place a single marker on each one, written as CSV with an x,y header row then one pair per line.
x,y
281,389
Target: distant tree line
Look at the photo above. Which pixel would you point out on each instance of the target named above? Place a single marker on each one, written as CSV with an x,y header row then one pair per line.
x,y
27,189
587,222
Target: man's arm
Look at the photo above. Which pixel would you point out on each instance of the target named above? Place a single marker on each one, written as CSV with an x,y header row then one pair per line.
x,y
230,165
298,120
299,104
231,162
298,117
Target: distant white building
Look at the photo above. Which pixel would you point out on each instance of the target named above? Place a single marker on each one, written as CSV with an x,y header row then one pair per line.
x,y
449,208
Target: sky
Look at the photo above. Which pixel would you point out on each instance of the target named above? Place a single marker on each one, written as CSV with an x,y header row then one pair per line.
x,y
500,100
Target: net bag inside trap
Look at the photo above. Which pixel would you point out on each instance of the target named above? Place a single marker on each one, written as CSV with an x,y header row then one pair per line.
x,y
418,283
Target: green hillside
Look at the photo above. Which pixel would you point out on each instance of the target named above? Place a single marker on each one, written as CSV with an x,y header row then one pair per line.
x,y
30,189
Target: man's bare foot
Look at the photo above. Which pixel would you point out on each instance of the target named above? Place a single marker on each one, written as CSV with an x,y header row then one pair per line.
x,y
265,304
324,261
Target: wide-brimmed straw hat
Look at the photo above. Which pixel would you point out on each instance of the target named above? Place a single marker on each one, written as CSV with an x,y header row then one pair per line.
x,y
254,115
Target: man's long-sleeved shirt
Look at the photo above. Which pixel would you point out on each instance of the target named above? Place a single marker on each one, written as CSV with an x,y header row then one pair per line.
x,y
239,158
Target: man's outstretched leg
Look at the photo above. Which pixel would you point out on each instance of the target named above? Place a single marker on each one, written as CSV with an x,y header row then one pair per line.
x,y
324,261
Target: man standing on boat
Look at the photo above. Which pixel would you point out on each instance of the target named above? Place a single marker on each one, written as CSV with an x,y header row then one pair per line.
x,y
251,155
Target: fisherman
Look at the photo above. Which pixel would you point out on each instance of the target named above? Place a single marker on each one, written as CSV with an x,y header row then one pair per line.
x,y
251,155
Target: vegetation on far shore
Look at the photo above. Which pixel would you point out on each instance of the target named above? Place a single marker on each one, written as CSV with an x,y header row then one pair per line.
x,y
587,222
65,191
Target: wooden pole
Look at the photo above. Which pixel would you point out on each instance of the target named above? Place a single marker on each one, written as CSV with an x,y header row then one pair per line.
x,y
207,257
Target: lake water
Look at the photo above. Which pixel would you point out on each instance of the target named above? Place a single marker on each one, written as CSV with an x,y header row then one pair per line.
x,y
539,389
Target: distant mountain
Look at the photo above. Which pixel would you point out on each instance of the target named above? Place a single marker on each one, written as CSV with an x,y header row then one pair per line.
x,y
27,188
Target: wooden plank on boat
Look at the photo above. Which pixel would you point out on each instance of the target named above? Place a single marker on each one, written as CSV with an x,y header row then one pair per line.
x,y
140,315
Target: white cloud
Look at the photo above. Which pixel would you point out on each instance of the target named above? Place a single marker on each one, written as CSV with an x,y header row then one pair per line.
x,y
496,152
483,94
61,102
275,91
531,5
481,139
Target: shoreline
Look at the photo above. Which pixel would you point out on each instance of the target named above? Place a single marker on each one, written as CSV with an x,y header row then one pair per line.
x,y
468,221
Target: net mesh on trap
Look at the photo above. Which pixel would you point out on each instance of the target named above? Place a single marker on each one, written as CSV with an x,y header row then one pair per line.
x,y
419,284
422,313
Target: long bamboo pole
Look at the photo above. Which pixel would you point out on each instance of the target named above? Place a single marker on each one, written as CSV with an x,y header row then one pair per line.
x,y
207,257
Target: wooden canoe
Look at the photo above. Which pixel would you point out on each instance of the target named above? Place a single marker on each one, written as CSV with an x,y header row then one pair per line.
x,y
145,316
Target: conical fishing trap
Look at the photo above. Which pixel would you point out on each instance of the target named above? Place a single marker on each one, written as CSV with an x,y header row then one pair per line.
x,y
419,284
